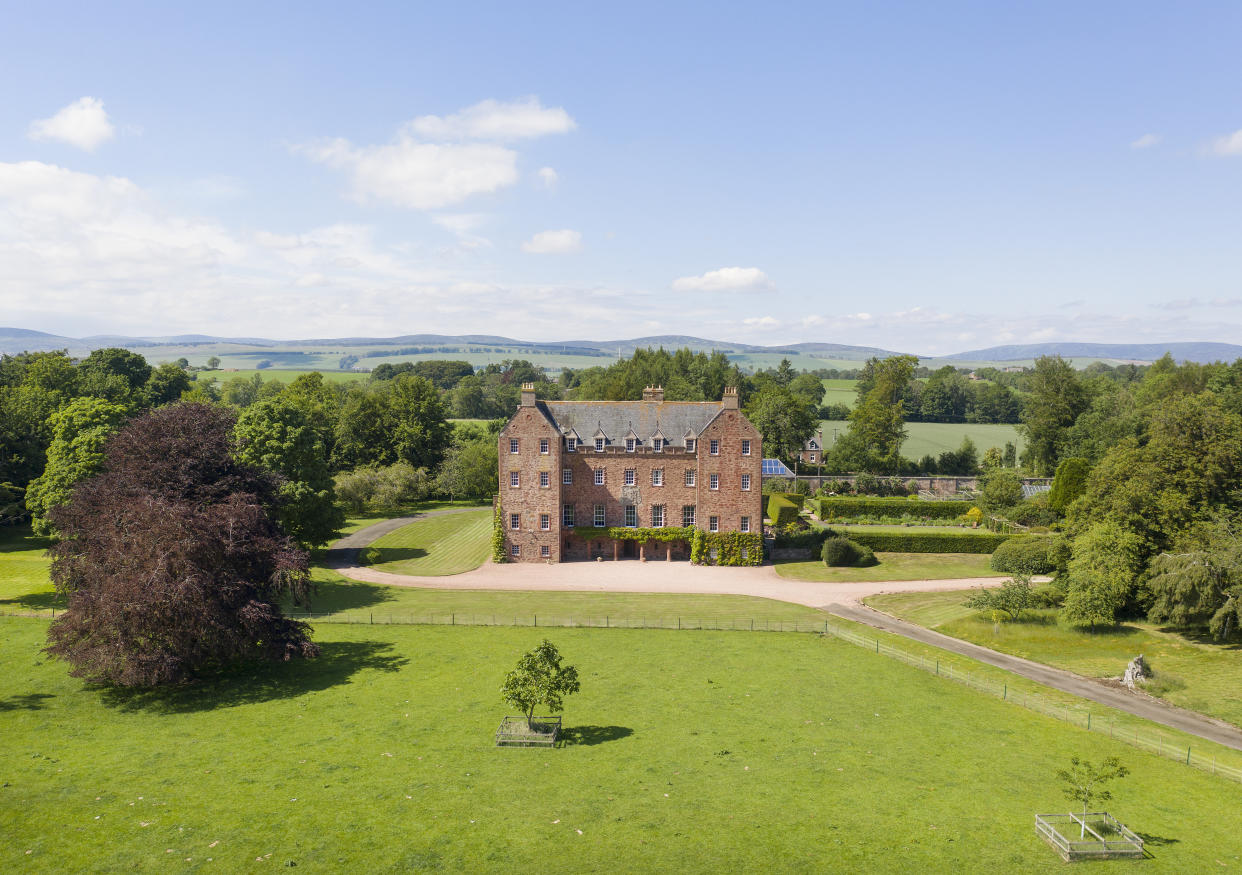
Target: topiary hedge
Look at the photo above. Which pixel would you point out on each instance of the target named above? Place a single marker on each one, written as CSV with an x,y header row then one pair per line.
x,y
967,541
795,498
1036,554
498,534
838,507
842,552
781,511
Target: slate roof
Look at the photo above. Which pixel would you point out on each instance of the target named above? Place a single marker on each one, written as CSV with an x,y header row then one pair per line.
x,y
671,419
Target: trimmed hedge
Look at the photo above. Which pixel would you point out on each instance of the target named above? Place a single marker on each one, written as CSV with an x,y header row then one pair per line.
x,y
844,553
796,498
834,506
968,541
781,511
626,533
1032,555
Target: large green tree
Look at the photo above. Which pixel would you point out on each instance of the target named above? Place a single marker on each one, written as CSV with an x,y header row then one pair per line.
x,y
1055,398
279,435
785,420
878,420
80,431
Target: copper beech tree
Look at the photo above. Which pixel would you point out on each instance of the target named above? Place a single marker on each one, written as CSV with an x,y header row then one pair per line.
x,y
171,558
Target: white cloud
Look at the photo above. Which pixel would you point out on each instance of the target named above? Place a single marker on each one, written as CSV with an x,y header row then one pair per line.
x,y
413,172
423,176
1145,142
762,322
494,120
464,226
548,177
554,242
812,320
1228,145
726,279
83,123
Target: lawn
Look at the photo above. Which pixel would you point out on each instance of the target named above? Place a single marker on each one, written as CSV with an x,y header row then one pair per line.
x,y
690,751
893,566
24,581
934,438
1190,671
434,546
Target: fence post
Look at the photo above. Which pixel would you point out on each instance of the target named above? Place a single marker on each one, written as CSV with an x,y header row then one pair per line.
x,y
372,618
1088,720
877,645
536,616
1005,693
452,619
937,668
1187,754
679,624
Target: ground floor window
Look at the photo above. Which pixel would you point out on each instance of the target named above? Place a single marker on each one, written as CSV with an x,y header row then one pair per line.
x,y
599,516
545,551
745,524
631,516
515,550
657,515
687,515
713,523
567,516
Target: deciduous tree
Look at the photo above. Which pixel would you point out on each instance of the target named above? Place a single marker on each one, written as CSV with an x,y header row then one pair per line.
x,y
171,559
539,679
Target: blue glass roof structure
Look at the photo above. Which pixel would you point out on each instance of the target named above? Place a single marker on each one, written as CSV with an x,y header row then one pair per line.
x,y
775,468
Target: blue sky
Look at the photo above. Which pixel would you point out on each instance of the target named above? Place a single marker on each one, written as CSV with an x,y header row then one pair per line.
x,y
922,177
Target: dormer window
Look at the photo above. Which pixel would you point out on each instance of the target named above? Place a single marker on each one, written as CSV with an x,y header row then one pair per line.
x,y
658,445
573,445
599,445
689,445
629,445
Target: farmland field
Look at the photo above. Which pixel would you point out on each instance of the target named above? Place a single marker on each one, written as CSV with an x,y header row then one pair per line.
x,y
284,375
687,751
1189,671
935,438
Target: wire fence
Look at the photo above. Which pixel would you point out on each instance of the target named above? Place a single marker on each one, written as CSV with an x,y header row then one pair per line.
x,y
1076,715
1079,715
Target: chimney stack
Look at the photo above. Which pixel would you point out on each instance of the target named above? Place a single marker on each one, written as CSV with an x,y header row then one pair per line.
x,y
653,393
528,394
730,398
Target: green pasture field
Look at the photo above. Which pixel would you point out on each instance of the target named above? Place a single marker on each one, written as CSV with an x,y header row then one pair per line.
x,y
690,751
1191,671
285,376
892,566
840,392
935,438
434,546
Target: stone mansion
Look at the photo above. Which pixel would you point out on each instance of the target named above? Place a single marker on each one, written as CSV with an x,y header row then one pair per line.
x,y
569,470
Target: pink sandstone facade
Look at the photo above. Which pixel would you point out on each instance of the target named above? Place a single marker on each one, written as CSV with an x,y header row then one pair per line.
x,y
637,464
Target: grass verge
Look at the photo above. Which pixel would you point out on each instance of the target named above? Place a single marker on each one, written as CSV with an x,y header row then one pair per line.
x,y
1191,671
893,566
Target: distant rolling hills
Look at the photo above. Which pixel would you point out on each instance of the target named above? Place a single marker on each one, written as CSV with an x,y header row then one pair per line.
x,y
328,353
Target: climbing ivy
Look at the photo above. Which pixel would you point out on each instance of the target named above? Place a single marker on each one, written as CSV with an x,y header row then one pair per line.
x,y
729,547
623,533
498,535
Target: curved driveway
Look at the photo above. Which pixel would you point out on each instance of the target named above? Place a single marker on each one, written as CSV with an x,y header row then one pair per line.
x,y
840,599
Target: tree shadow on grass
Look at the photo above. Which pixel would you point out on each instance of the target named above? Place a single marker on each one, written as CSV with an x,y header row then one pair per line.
x,y
254,683
592,735
1156,841
383,555
25,702
331,596
40,601
1201,635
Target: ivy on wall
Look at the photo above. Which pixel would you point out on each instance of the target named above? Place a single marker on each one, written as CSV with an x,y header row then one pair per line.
x,y
625,533
730,548
498,534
